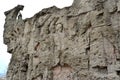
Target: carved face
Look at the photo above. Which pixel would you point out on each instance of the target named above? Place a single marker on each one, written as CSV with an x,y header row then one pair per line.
x,y
9,40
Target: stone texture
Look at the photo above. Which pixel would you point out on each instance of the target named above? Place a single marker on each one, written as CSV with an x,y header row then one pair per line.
x,y
80,42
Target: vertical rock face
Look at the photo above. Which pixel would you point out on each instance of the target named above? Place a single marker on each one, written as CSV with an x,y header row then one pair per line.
x,y
81,42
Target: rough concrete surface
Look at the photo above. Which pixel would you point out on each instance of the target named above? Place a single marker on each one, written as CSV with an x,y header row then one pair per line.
x,y
80,42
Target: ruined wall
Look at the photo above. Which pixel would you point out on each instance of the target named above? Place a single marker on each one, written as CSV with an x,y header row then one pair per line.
x,y
80,42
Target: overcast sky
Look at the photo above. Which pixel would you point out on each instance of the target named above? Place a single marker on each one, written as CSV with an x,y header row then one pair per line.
x,y
31,7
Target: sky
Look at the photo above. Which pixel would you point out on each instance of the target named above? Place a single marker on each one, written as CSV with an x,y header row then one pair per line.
x,y
31,7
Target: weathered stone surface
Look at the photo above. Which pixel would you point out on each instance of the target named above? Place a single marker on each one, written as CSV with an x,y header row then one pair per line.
x,y
81,42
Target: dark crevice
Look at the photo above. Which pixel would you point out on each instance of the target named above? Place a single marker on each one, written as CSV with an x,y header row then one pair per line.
x,y
87,50
10,51
36,46
101,69
118,73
